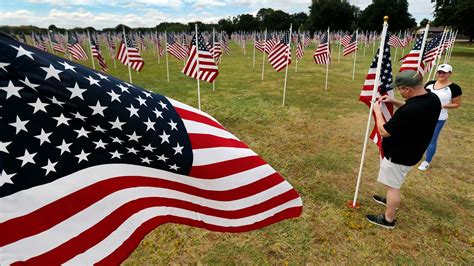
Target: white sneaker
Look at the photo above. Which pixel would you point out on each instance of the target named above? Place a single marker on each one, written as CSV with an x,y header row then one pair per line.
x,y
424,165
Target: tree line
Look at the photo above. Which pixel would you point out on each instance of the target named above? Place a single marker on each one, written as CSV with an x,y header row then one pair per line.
x,y
336,14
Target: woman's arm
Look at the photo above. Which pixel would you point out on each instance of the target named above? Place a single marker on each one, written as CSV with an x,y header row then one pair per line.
x,y
455,103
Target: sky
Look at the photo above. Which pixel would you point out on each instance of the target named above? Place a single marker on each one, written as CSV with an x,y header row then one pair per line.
x,y
149,13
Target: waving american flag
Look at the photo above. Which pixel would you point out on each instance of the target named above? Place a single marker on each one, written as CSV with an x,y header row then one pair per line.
x,y
383,89
90,164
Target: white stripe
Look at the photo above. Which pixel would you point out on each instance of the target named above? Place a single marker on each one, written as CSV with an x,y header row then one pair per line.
x,y
191,109
113,241
201,128
216,155
47,240
26,201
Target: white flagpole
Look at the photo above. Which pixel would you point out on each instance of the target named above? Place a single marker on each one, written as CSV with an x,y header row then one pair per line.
x,y
90,49
373,44
452,46
355,55
126,47
263,56
375,89
296,57
339,53
50,42
157,46
365,43
166,58
327,65
287,58
254,40
213,44
197,63
422,49
439,50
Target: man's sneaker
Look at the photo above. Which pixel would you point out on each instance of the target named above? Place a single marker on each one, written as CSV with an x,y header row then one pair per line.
x,y
380,221
424,165
380,199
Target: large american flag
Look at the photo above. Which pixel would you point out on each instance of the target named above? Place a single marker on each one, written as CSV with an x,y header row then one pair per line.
x,y
383,89
410,61
280,55
129,55
351,46
75,49
176,49
95,50
322,55
200,64
90,164
432,49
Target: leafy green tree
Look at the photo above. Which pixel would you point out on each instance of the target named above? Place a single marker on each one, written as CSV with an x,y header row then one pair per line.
x,y
423,22
457,14
337,14
299,20
247,23
226,25
397,11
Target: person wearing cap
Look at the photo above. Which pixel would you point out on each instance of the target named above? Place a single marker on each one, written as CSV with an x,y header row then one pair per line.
x,y
405,138
450,95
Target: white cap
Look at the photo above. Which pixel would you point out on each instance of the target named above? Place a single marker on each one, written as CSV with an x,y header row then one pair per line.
x,y
445,68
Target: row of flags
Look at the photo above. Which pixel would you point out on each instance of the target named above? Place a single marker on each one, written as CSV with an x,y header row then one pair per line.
x,y
179,46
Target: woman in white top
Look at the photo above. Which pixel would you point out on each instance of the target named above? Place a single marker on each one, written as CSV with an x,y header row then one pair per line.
x,y
450,95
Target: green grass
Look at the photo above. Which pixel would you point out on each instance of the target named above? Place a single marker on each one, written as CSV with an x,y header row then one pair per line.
x,y
315,141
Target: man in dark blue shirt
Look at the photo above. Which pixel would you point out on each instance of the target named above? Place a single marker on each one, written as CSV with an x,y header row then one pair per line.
x,y
405,138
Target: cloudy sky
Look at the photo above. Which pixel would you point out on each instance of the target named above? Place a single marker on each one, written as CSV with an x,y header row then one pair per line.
x,y
147,13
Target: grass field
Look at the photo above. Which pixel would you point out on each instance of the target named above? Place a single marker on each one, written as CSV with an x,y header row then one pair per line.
x,y
315,142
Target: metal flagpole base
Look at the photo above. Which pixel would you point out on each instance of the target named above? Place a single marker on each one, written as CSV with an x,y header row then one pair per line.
x,y
350,204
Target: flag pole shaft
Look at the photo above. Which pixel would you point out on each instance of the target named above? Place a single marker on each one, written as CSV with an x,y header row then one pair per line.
x,y
376,85
287,63
339,53
90,49
197,64
327,66
126,47
422,49
166,58
213,52
254,40
263,56
355,56
297,40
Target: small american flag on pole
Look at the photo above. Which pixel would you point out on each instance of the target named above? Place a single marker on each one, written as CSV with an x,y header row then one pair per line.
x,y
95,48
90,164
351,46
176,49
299,48
411,60
383,89
280,55
75,49
200,64
129,55
322,55
432,49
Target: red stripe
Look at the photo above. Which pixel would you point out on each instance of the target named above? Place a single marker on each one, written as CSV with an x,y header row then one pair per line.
x,y
55,212
102,229
119,255
226,168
